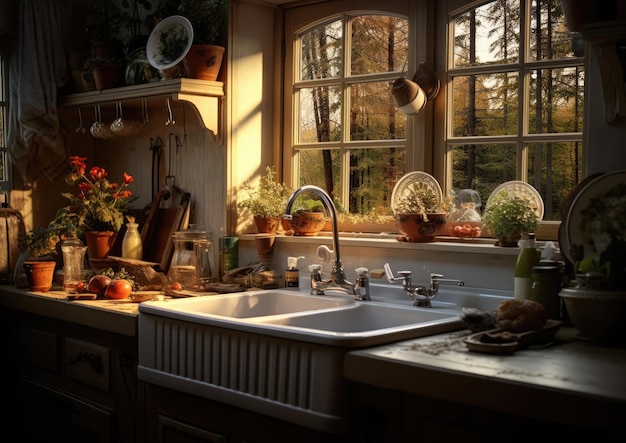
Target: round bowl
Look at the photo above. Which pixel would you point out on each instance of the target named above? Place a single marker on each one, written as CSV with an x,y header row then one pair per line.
x,y
598,315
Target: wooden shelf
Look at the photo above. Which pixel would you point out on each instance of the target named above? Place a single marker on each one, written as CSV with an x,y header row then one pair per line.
x,y
204,95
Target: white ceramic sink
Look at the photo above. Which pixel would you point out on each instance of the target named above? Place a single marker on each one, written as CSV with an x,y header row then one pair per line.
x,y
280,352
253,304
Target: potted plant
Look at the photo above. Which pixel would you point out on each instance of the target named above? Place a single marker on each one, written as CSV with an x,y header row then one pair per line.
x,y
308,216
509,216
98,206
420,214
105,28
266,201
209,19
104,72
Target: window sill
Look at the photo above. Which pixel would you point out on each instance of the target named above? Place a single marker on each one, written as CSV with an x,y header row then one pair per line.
x,y
387,241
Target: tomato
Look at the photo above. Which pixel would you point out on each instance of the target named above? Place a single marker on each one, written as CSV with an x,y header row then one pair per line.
x,y
118,289
98,284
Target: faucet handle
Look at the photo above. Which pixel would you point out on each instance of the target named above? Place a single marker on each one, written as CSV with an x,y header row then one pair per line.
x,y
324,253
391,278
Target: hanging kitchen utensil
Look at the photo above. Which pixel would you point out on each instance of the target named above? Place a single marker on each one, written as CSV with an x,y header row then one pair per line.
x,y
99,129
80,127
170,116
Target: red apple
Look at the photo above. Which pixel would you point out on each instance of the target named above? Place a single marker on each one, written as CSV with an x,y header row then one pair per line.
x,y
98,283
118,289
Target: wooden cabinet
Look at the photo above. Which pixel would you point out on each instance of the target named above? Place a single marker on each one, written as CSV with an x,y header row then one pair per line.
x,y
174,416
75,382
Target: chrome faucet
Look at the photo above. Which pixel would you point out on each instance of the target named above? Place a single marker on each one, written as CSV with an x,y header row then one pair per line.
x,y
337,278
421,295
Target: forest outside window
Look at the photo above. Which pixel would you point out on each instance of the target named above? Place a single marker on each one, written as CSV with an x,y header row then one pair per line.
x,y
349,137
515,104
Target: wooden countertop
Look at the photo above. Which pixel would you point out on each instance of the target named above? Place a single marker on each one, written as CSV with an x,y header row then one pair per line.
x,y
118,316
571,382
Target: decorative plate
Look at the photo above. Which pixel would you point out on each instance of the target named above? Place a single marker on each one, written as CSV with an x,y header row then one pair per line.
x,y
597,216
523,190
564,245
169,42
409,182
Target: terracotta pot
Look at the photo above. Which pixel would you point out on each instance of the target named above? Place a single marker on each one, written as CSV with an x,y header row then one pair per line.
x,y
415,229
99,244
306,223
203,61
265,225
107,75
39,274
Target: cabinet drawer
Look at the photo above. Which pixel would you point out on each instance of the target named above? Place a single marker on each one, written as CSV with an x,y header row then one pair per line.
x,y
39,348
87,363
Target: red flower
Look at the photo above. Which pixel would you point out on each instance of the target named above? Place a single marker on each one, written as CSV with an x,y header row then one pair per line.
x,y
97,173
128,179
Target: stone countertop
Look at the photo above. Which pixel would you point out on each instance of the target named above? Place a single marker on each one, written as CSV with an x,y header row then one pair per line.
x,y
569,381
118,316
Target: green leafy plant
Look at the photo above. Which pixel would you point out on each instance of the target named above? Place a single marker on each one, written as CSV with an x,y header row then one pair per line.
x,y
268,199
95,61
423,200
42,241
508,216
107,20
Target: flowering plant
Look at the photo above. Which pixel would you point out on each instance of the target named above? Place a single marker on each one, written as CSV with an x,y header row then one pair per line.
x,y
99,204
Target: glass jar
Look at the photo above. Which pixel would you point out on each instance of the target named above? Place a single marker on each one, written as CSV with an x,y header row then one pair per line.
x,y
192,261
132,246
73,261
464,221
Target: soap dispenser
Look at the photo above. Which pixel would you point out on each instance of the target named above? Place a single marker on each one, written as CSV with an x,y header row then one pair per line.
x,y
292,274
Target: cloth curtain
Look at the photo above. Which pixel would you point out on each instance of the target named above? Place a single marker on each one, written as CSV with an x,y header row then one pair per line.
x,y
37,71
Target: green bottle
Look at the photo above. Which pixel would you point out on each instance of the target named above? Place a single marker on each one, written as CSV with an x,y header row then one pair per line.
x,y
527,259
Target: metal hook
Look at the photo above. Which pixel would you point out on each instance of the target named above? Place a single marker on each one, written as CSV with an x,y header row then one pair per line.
x,y
80,128
170,118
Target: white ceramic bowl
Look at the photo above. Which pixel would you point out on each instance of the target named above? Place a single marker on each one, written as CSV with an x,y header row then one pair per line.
x,y
598,315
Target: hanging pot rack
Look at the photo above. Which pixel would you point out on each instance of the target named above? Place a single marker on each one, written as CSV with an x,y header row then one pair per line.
x,y
204,96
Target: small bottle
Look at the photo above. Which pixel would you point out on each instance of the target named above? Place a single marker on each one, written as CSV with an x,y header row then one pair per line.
x,y
132,246
229,254
546,285
292,274
528,258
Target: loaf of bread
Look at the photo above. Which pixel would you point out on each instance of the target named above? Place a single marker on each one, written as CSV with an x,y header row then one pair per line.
x,y
520,315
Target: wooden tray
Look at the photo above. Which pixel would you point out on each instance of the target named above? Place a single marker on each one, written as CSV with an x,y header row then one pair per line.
x,y
487,341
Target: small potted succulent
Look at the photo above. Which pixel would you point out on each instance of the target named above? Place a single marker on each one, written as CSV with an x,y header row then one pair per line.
x,y
508,216
266,201
420,214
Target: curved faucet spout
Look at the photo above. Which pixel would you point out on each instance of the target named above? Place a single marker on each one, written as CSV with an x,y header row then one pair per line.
x,y
338,278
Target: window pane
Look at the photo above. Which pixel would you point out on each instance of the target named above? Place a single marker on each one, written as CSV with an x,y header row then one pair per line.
x,y
485,105
321,50
554,169
549,36
321,167
488,34
320,114
373,175
379,44
373,115
556,100
482,167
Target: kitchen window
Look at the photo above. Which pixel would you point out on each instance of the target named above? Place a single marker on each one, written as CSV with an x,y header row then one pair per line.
x,y
5,183
515,100
510,106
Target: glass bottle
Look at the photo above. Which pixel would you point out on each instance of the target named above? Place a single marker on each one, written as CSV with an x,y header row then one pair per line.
x,y
528,258
132,246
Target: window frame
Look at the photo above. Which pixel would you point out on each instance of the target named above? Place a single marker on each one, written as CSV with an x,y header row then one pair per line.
x,y
443,149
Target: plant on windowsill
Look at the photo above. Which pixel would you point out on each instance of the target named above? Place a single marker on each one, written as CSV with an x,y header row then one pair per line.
x,y
266,201
421,215
509,216
308,216
104,72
